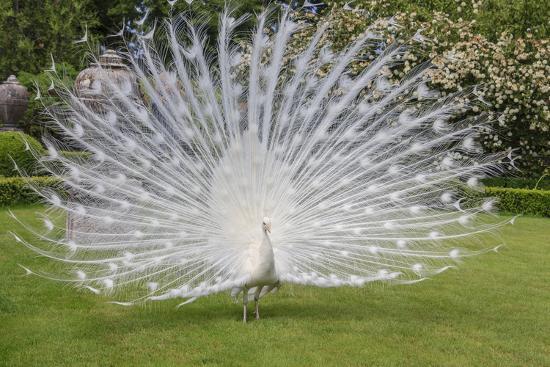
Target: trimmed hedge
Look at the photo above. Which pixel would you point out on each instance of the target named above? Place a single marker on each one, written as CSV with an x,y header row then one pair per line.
x,y
12,144
14,190
518,183
75,154
521,201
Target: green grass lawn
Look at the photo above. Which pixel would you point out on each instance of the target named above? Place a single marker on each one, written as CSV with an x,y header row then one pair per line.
x,y
493,311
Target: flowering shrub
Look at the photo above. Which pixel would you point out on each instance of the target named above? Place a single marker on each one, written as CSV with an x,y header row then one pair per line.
x,y
509,77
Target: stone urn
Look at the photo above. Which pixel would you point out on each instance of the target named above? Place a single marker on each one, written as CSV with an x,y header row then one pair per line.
x,y
97,84
14,100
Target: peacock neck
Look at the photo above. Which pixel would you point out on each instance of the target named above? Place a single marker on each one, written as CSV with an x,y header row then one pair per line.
x,y
264,263
266,243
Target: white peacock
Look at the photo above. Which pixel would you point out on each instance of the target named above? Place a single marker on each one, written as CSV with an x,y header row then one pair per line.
x,y
223,182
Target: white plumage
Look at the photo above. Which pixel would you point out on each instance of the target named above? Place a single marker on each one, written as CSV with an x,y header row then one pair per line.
x,y
217,182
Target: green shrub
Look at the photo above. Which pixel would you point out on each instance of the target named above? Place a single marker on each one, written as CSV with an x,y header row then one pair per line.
x,y
75,154
518,183
12,144
521,201
491,17
36,121
16,190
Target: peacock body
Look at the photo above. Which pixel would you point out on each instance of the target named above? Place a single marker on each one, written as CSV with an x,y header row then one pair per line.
x,y
223,182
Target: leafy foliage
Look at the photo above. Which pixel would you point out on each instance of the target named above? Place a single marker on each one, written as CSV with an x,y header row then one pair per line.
x,y
113,13
542,183
12,146
32,31
13,149
17,190
35,119
491,17
501,45
509,77
75,155
524,201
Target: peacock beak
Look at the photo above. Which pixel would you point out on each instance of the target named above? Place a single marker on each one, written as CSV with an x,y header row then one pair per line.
x,y
267,225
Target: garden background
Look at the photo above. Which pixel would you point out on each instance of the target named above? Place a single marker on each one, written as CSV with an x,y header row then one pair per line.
x,y
491,312
499,49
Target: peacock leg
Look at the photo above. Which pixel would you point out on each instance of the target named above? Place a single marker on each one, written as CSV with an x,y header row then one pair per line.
x,y
245,303
257,302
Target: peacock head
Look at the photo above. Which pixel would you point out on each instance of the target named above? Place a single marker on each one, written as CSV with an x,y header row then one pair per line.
x,y
266,224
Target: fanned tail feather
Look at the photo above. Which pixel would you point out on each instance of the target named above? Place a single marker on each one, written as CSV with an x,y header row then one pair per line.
x,y
363,180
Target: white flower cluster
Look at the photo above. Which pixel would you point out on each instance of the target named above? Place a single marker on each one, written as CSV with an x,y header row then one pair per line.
x,y
509,78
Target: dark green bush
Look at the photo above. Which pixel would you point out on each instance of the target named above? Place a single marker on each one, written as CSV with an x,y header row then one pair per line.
x,y
518,183
36,121
521,201
16,190
12,144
